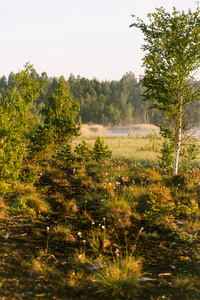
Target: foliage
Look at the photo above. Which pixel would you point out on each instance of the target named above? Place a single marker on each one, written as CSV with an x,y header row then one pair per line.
x,y
107,102
94,205
16,121
64,153
190,153
184,237
60,113
100,150
28,174
160,203
83,150
41,139
167,155
172,55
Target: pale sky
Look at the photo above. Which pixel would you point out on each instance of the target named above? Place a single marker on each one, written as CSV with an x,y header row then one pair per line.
x,y
89,38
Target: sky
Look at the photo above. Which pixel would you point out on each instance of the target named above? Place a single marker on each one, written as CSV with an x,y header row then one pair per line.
x,y
90,38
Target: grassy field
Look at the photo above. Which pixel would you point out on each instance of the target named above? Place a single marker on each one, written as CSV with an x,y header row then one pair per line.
x,y
76,226
140,143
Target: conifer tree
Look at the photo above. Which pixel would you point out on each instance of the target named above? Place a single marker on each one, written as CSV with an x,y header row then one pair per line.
x,y
16,121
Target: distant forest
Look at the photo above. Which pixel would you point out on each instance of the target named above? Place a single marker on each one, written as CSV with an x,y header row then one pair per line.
x,y
111,103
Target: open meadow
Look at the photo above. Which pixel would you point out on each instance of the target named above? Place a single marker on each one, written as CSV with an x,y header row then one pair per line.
x,y
139,143
85,223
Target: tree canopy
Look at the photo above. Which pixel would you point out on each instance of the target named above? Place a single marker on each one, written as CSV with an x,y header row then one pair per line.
x,y
60,113
172,55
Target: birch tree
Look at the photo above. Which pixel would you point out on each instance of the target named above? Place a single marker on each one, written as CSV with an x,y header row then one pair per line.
x,y
172,56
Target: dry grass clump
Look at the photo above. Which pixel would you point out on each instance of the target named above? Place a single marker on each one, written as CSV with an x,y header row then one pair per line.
x,y
118,209
79,281
43,267
3,209
145,176
120,279
92,129
184,283
24,189
26,199
62,233
31,204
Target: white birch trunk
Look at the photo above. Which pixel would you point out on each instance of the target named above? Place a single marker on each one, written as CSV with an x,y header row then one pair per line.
x,y
175,171
177,151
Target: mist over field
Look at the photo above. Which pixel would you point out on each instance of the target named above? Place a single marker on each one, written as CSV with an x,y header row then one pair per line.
x,y
133,130
139,129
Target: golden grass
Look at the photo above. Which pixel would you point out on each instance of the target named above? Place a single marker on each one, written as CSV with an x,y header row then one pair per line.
x,y
92,129
143,147
127,148
120,279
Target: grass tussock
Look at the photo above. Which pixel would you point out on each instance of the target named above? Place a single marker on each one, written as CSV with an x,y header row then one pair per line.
x,y
184,283
62,233
31,204
119,278
44,268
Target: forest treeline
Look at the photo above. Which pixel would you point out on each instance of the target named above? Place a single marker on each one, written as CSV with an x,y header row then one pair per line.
x,y
110,103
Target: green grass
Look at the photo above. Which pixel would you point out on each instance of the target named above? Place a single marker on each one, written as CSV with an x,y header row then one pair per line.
x,y
119,279
128,148
143,150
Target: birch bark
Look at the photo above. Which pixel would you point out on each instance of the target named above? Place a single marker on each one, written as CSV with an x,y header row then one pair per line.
x,y
175,171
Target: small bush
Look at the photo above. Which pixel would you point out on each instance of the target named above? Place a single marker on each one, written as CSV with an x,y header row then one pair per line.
x,y
167,152
83,150
100,150
159,202
64,153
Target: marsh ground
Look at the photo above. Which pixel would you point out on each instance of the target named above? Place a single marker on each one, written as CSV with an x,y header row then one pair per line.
x,y
100,213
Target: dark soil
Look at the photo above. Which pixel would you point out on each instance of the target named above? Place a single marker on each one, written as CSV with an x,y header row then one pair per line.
x,y
27,237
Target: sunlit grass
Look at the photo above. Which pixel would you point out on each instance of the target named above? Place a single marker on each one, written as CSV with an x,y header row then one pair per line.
x,y
62,233
143,149
41,266
183,283
31,204
120,278
128,148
